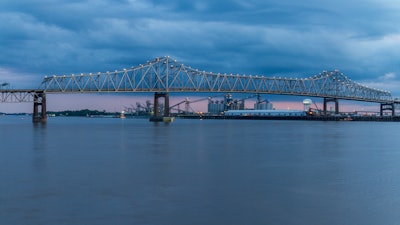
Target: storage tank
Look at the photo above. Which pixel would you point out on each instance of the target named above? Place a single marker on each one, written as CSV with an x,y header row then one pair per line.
x,y
307,104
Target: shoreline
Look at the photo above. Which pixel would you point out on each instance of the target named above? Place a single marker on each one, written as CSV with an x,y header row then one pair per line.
x,y
311,118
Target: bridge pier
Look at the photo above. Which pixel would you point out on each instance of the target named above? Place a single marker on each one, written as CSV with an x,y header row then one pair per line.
x,y
335,100
157,116
39,101
387,107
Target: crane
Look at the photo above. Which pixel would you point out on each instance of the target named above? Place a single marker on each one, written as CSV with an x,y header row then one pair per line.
x,y
143,108
186,101
259,100
236,104
187,104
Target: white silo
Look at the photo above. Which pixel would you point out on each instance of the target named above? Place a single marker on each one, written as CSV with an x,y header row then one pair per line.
x,y
307,103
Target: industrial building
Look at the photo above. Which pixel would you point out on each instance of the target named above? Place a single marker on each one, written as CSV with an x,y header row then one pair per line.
x,y
265,109
255,112
263,105
217,107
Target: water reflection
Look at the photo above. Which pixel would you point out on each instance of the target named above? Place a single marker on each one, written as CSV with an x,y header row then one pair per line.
x,y
40,145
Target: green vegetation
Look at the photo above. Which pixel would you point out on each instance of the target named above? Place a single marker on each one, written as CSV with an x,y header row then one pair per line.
x,y
83,112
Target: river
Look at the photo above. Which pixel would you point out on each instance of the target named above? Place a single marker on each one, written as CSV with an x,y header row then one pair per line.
x,y
132,171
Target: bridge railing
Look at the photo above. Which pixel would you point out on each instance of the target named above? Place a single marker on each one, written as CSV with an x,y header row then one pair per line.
x,y
167,75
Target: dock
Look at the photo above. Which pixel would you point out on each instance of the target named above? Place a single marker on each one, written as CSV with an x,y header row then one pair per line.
x,y
311,118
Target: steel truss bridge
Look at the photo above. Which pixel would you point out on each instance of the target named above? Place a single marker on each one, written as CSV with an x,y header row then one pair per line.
x,y
38,97
16,96
165,75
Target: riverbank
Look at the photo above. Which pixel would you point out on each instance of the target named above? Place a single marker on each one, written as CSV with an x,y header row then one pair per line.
x,y
316,118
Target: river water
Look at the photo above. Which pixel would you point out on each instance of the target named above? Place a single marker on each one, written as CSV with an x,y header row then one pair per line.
x,y
131,171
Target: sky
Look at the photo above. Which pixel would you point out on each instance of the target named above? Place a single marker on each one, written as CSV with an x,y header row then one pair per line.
x,y
360,38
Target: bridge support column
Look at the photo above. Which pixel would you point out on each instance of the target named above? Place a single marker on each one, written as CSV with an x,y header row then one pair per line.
x,y
157,116
39,101
387,107
335,100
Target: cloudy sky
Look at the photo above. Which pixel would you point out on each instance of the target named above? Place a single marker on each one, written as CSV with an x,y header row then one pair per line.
x,y
361,38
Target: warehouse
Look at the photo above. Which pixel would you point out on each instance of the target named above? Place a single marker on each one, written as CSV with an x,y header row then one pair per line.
x,y
265,113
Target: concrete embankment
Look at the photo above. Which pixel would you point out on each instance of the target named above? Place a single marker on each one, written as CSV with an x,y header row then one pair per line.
x,y
315,118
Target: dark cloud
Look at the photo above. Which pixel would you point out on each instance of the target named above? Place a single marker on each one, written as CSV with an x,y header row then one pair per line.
x,y
293,38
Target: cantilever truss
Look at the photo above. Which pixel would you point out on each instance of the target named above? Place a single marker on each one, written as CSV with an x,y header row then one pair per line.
x,y
16,96
167,75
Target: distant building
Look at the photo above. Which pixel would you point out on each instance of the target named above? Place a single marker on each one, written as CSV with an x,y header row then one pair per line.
x,y
218,107
263,106
215,107
287,113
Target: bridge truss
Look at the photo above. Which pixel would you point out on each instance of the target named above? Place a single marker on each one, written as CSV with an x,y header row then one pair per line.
x,y
38,97
167,75
16,96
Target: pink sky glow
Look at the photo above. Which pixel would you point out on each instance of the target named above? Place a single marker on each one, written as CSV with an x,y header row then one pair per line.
x,y
117,103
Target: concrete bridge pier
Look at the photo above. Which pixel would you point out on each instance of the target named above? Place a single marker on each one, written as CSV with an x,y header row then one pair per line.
x,y
387,107
157,116
39,102
335,100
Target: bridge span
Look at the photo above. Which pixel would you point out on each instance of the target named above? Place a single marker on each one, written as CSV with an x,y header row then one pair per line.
x,y
38,97
165,75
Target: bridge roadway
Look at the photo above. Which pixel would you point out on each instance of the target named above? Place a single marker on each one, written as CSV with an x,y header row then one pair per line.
x,y
165,75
